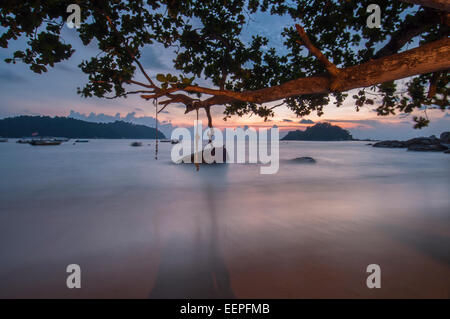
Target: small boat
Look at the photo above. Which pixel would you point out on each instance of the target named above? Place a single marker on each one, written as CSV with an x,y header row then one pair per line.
x,y
136,144
82,141
3,140
44,142
24,141
174,141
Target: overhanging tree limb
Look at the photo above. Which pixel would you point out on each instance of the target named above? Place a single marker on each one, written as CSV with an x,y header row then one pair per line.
x,y
443,5
423,20
245,75
331,68
431,57
433,83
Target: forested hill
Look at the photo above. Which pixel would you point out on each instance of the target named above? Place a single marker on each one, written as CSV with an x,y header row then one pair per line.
x,y
320,132
23,126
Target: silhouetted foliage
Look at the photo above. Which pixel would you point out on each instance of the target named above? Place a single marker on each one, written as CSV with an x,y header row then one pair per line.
x,y
208,40
320,132
24,126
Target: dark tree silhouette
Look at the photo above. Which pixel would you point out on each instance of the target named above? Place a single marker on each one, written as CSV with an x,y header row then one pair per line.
x,y
23,126
320,132
331,54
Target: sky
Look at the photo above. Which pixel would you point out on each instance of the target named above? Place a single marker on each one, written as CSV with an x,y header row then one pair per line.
x,y
54,93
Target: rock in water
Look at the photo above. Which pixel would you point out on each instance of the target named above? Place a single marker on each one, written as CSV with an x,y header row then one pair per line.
x,y
432,140
425,144
447,151
445,137
213,153
305,160
390,144
427,148
420,144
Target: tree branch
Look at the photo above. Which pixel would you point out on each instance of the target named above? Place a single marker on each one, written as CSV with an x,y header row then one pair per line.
x,y
133,56
433,83
331,68
423,20
139,83
126,93
144,72
443,5
173,98
275,106
208,115
428,58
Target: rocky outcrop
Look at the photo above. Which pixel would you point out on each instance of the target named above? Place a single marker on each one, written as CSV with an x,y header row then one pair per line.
x,y
420,144
445,138
427,148
390,144
432,140
205,158
425,144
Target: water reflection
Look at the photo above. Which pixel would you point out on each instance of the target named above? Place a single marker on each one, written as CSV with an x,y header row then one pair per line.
x,y
143,228
192,266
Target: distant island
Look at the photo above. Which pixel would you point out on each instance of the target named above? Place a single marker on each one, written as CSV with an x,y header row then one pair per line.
x,y
22,126
320,132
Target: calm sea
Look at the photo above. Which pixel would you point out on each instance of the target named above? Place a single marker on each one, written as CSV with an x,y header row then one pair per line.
x,y
153,229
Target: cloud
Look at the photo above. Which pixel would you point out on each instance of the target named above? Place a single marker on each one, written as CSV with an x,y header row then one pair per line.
x,y
165,127
385,130
28,112
305,121
287,120
66,68
152,60
11,76
138,109
361,122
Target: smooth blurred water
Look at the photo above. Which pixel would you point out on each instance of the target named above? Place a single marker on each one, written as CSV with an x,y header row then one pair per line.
x,y
145,228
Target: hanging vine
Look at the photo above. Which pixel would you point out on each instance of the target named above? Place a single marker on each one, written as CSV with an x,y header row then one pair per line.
x,y
196,152
155,103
